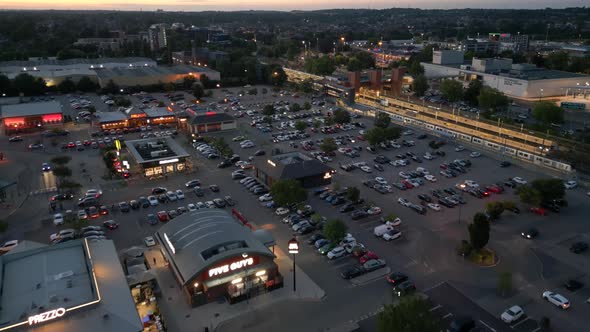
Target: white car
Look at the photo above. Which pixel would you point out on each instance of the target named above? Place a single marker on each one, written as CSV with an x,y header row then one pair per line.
x,y
282,211
403,201
192,207
459,148
179,194
58,219
471,183
9,245
392,235
512,314
556,299
247,145
374,210
171,196
519,180
153,200
201,205
336,252
474,154
570,184
149,241
434,206
403,175
265,198
430,178
394,222
210,204
423,170
82,215
380,180
366,169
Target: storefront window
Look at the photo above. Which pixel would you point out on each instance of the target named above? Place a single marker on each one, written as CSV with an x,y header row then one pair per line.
x,y
158,170
169,168
179,166
149,171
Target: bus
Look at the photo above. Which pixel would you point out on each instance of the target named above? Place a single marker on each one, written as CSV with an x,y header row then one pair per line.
x,y
573,106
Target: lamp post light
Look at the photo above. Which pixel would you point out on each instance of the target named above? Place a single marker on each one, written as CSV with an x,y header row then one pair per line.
x,y
462,186
294,250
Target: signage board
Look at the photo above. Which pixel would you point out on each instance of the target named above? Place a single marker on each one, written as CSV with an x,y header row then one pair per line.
x,y
46,316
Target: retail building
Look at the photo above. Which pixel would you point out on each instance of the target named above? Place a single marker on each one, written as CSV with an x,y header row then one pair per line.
x,y
73,286
29,117
294,165
212,122
158,156
214,256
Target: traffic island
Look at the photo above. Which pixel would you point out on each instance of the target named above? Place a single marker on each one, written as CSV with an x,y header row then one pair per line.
x,y
484,257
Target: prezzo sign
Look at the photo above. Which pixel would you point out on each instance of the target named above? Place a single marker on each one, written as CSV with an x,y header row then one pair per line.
x,y
237,265
48,315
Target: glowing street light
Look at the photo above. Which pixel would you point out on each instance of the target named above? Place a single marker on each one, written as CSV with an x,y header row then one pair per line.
x,y
294,250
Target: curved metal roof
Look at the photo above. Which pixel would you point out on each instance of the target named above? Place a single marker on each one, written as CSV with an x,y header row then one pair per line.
x,y
195,241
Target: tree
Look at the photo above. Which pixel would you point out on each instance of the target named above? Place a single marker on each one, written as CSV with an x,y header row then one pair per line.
x,y
295,107
452,90
410,314
61,160
29,85
472,92
479,231
375,135
306,106
317,123
306,86
328,145
268,110
557,61
62,172
300,125
549,189
5,85
320,66
188,81
353,194
198,91
85,84
547,112
494,209
492,99
341,116
110,88
285,192
354,64
334,230
505,283
416,68
66,86
529,195
392,133
276,75
382,120
169,87
420,85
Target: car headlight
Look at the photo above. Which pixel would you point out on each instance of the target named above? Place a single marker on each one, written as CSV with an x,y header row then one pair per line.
x,y
528,236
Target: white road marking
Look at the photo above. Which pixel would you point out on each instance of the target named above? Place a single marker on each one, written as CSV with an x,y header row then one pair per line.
x,y
447,315
486,325
435,308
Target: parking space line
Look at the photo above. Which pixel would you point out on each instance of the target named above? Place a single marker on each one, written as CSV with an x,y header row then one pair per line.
x,y
435,308
447,315
522,321
486,325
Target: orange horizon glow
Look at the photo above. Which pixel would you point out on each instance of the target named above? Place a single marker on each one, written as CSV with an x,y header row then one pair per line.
x,y
234,5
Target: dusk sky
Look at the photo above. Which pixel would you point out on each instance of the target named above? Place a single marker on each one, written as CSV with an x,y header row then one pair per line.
x,y
226,5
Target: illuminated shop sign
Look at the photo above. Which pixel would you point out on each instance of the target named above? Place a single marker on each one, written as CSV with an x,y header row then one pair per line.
x,y
234,266
48,315
168,161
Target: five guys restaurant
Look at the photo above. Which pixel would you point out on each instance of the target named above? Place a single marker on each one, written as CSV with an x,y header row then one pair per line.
x,y
213,256
28,117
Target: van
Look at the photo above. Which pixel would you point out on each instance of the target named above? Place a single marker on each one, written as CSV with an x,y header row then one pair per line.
x,y
382,229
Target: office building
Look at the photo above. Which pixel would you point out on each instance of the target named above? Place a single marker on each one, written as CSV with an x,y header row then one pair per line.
x,y
157,36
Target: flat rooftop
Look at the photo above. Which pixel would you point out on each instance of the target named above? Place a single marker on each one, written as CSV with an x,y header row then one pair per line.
x,y
55,62
152,71
155,149
30,109
110,116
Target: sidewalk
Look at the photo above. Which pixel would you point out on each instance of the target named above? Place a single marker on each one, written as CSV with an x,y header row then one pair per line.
x,y
180,317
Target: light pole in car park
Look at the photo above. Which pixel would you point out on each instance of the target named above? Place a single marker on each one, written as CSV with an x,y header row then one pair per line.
x,y
462,187
294,250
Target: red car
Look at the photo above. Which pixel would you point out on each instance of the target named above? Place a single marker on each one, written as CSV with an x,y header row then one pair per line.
x,y
103,210
71,145
538,210
163,216
494,189
407,184
444,166
367,257
360,137
86,143
93,212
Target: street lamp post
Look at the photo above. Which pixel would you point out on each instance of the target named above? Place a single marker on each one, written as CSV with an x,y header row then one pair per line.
x,y
294,250
462,186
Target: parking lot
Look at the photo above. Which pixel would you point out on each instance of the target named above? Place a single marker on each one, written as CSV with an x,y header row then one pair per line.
x,y
425,250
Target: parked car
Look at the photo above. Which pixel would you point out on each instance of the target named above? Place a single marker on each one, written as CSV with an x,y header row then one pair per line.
x,y
512,314
578,247
404,288
556,299
396,278
530,233
572,285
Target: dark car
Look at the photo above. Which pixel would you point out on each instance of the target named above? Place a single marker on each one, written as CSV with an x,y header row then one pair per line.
x,y
509,183
198,191
314,238
15,139
173,214
134,204
124,207
437,193
337,201
306,229
103,210
214,188
259,153
62,197
353,272
461,324
162,198
190,184
505,164
144,202
229,201
530,233
579,247
346,208
450,191
159,190
152,219
358,214
425,198
396,278
404,288
224,164
110,224
219,202
572,285
418,208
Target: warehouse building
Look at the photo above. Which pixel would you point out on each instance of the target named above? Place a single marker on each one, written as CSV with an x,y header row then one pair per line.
x,y
294,165
73,286
212,255
28,117
158,156
212,122
150,75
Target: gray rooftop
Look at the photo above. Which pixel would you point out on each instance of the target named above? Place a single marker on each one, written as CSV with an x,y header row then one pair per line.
x,y
49,277
292,165
212,118
30,109
205,237
157,112
139,147
56,62
110,116
152,71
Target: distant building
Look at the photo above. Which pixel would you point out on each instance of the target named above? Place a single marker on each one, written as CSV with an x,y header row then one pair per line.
x,y
132,76
520,41
479,46
199,57
27,117
157,36
448,57
158,156
515,80
293,166
212,122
